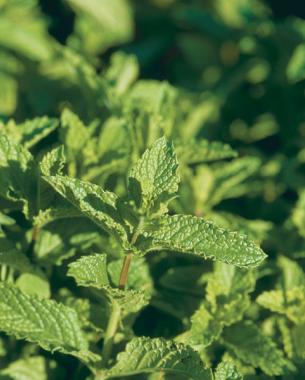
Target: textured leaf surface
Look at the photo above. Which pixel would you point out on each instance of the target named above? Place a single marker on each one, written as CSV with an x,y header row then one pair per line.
x,y
50,324
92,201
291,303
90,271
226,301
18,174
31,131
156,173
204,151
227,371
255,348
53,162
189,234
152,355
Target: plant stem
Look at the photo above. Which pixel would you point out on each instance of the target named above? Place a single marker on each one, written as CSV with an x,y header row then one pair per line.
x,y
124,271
115,314
128,257
112,327
35,232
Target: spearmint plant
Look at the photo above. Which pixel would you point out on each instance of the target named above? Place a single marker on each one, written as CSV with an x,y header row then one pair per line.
x,y
139,222
152,202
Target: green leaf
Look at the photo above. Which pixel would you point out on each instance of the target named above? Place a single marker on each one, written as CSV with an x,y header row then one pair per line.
x,y
296,65
18,174
190,234
101,15
90,271
227,371
31,131
50,324
243,337
145,355
204,151
155,176
123,71
95,203
298,214
31,368
11,257
291,303
227,300
53,162
28,36
138,276
256,230
34,284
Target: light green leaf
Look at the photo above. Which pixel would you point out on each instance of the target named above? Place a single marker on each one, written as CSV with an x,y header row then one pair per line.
x,y
31,368
227,300
145,355
24,30
296,65
50,324
18,174
293,274
298,214
90,271
123,71
190,234
102,15
155,176
227,371
243,337
298,338
34,284
256,229
95,203
205,327
8,94
53,162
204,151
291,303
31,131
6,220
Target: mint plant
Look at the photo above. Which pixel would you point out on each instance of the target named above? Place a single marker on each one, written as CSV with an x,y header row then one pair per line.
x,y
151,190
139,222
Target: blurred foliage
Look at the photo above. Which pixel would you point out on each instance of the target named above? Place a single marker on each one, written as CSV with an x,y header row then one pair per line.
x,y
224,80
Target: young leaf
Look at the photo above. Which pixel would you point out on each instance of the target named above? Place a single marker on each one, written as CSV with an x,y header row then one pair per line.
x,y
190,234
31,131
50,324
29,368
227,371
255,348
18,174
95,203
53,162
145,355
290,303
90,271
154,179
204,151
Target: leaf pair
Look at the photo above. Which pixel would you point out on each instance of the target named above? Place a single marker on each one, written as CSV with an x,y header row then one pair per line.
x,y
153,182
